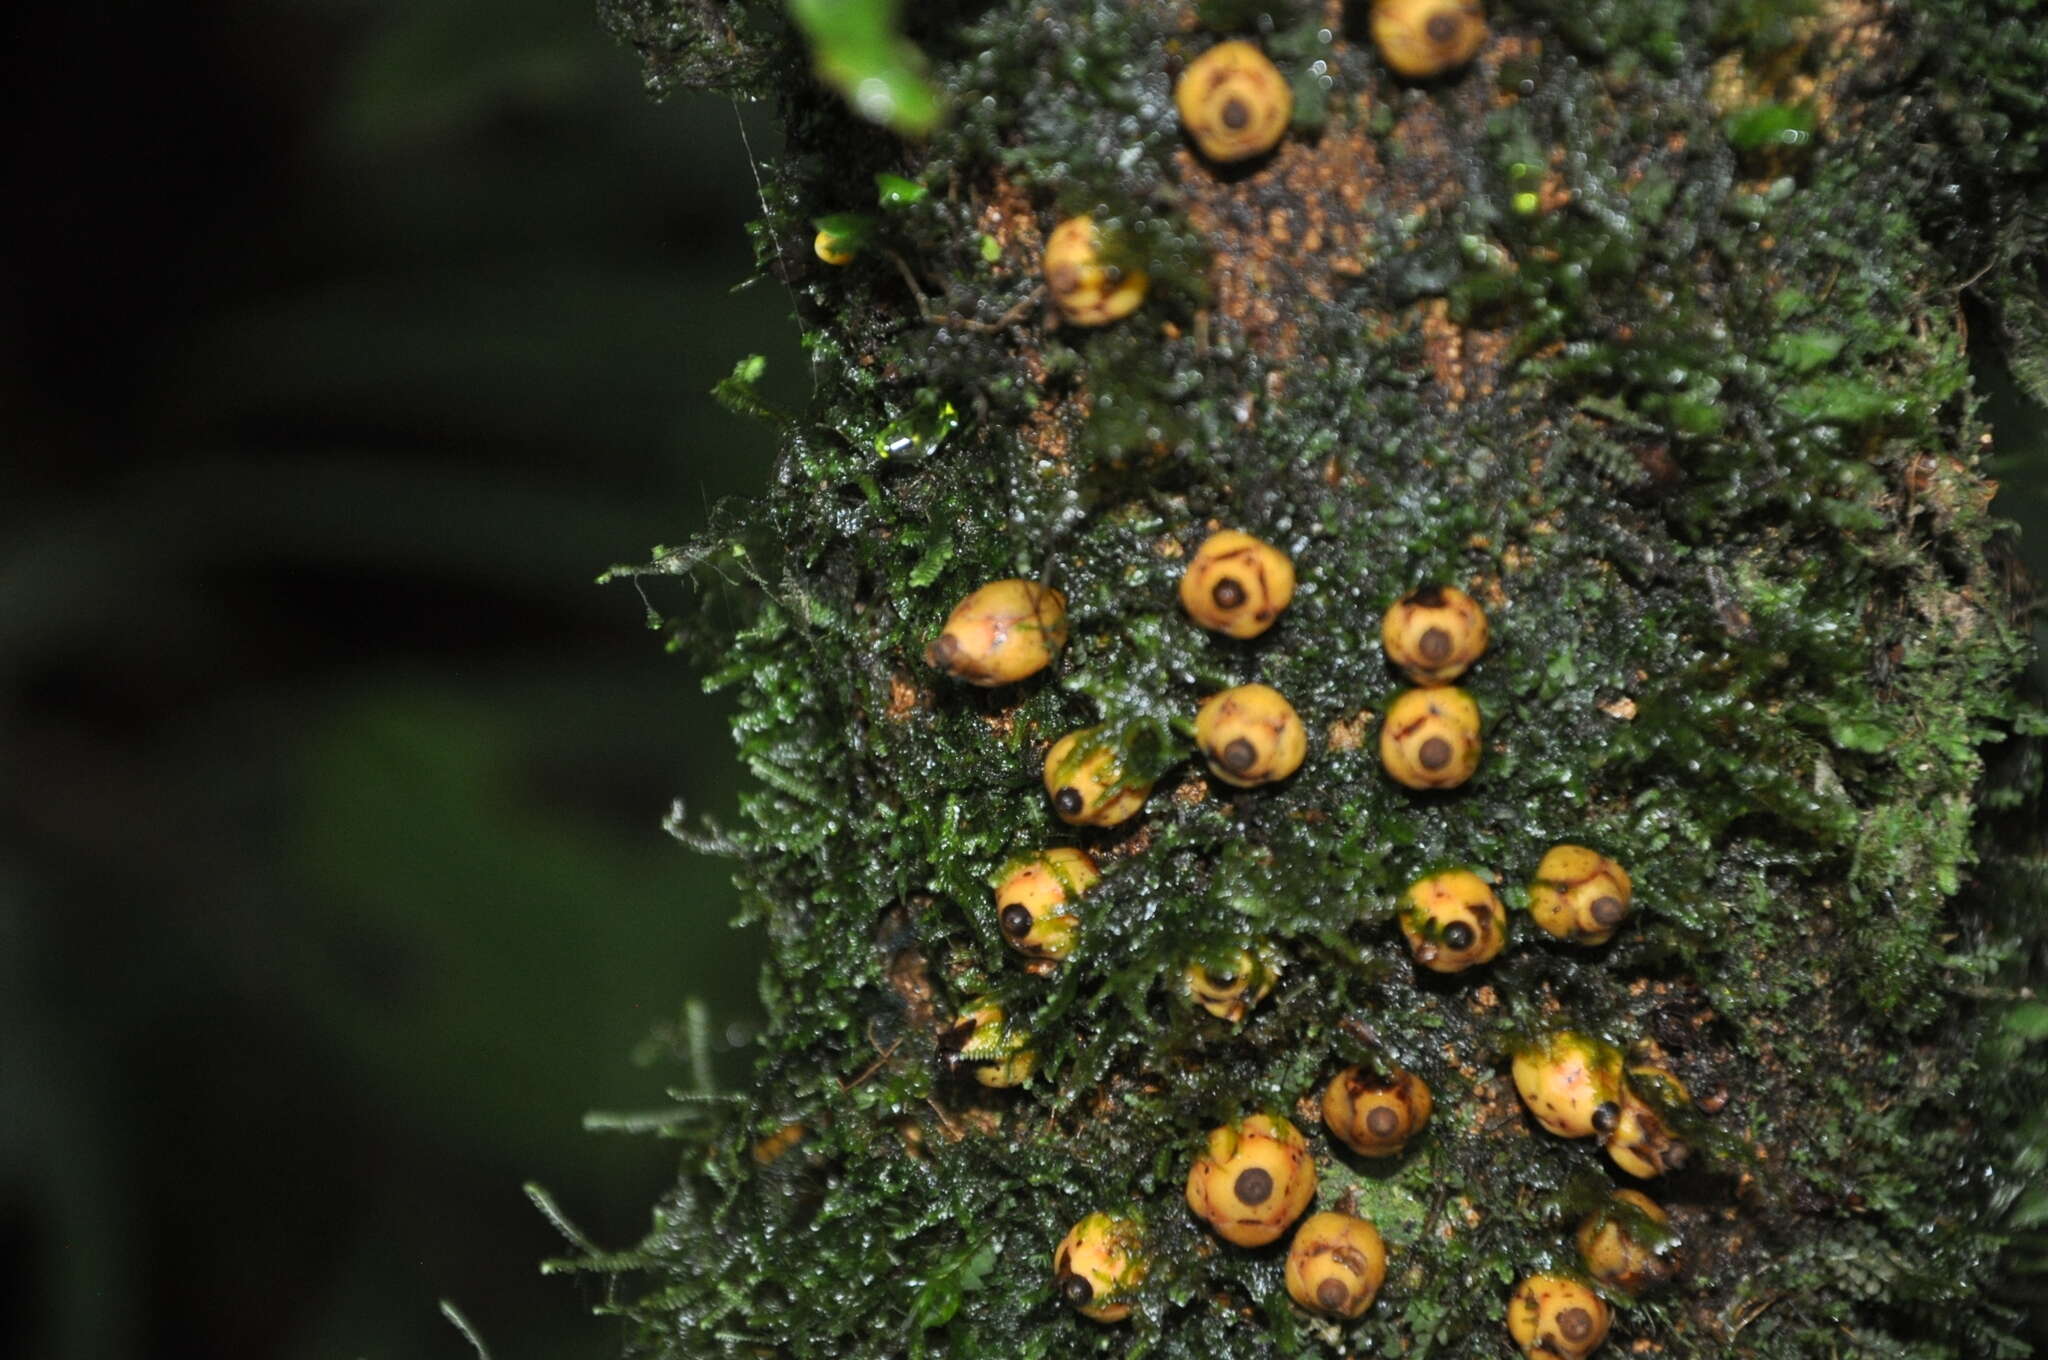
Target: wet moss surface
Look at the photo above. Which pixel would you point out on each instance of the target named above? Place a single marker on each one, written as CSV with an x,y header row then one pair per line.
x,y
1644,329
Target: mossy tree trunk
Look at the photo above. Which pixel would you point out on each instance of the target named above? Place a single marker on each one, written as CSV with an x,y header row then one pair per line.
x,y
1648,328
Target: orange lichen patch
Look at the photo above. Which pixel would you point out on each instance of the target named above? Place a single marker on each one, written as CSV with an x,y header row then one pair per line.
x,y
1049,429
1443,348
1303,222
1503,48
903,697
910,978
1859,31
769,1150
1131,847
1465,362
1348,734
1007,215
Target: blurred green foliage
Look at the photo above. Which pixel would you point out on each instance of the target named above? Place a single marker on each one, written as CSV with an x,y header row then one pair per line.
x,y
859,52
332,884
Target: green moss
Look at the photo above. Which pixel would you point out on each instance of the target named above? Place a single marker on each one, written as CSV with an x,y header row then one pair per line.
x,y
1722,496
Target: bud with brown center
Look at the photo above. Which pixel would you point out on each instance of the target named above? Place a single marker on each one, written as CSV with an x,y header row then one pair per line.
x,y
1233,102
1250,735
1255,1178
1336,1264
1373,1113
1430,738
1453,921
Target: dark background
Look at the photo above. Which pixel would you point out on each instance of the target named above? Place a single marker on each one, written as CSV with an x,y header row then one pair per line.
x,y
341,345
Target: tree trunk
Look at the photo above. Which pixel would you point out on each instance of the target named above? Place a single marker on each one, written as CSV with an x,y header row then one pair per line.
x,y
1646,327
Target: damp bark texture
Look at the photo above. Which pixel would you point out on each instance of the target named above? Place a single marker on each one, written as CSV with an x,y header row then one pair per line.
x,y
1652,327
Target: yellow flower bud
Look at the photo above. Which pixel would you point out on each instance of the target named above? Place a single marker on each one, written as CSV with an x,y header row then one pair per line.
x,y
1030,897
1250,735
1579,895
1254,1180
1422,38
1640,1142
1098,1263
1088,290
833,248
1453,921
1552,1317
1336,1264
1430,738
1376,1113
1228,993
1571,1082
1233,102
1434,633
1236,584
982,1041
1088,788
1627,1243
1001,633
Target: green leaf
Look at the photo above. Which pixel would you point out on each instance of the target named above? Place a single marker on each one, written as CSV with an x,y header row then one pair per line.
x,y
1805,351
2029,1021
857,51
932,563
736,393
1846,402
936,1301
848,230
1771,125
894,191
2032,1210
1852,734
974,1274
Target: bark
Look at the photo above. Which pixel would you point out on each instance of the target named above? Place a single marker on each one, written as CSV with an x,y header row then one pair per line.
x,y
1651,328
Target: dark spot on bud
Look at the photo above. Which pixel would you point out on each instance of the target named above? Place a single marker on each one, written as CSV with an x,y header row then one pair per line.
x,y
1065,279
1069,801
1076,1290
1235,114
1604,1115
1333,1295
1228,594
1609,910
944,650
1240,755
1575,1323
1382,1122
1434,645
1016,921
1426,597
1458,935
1435,754
1442,27
1254,1186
